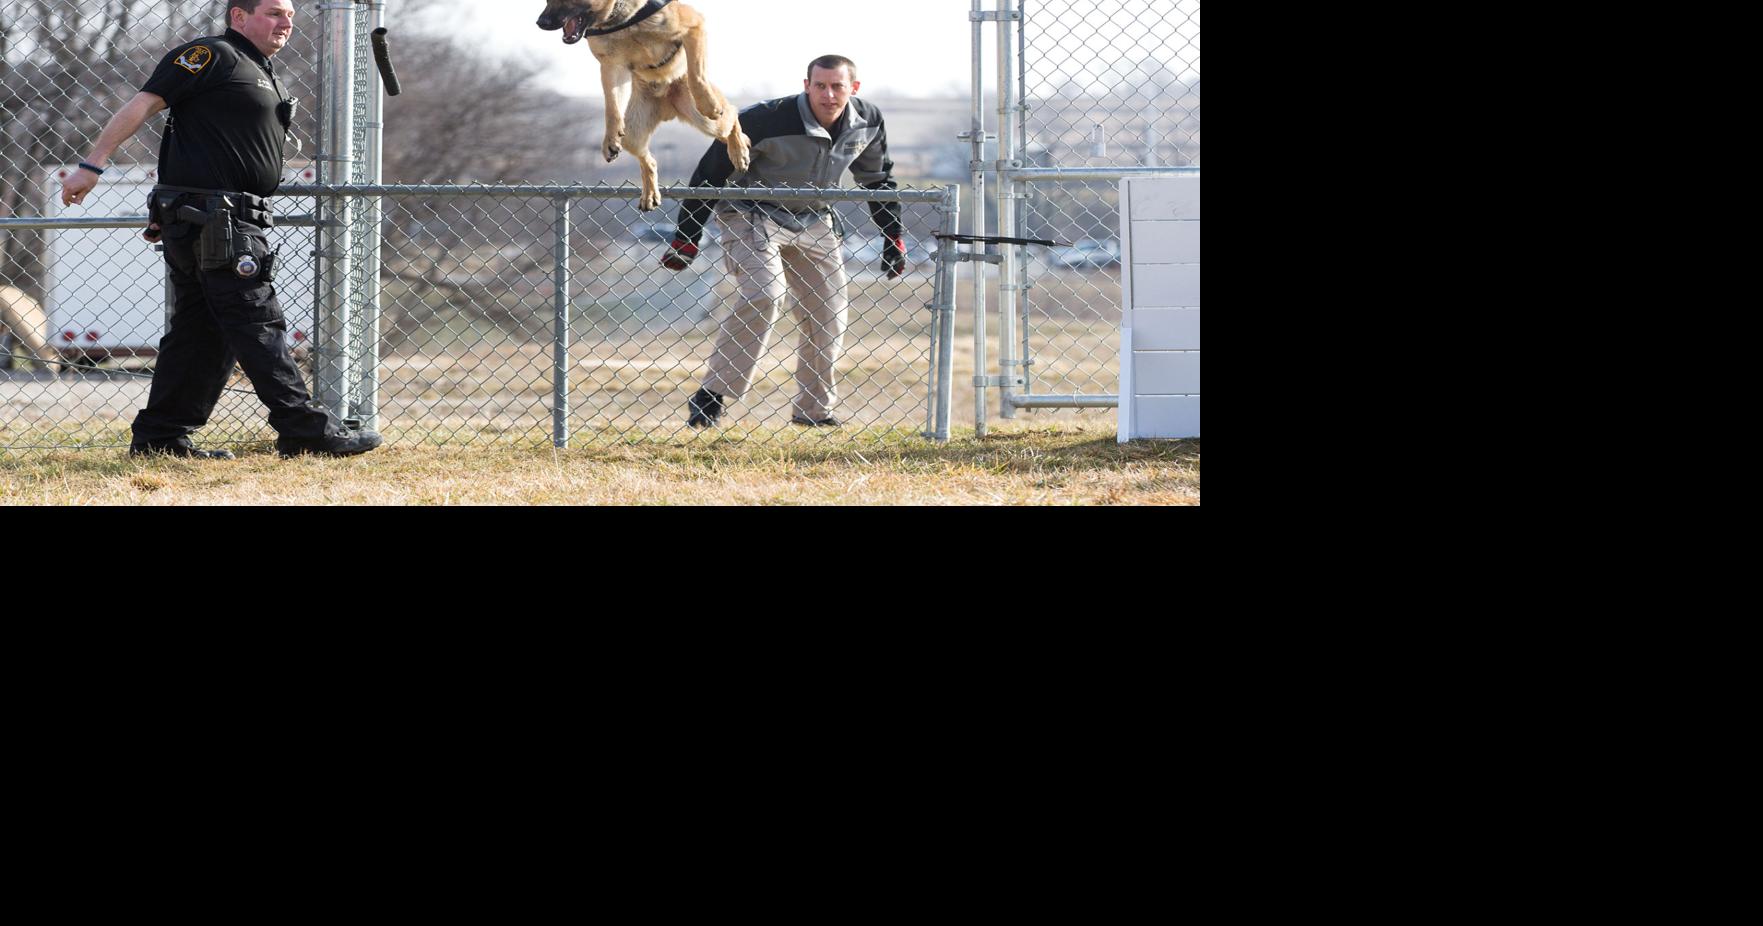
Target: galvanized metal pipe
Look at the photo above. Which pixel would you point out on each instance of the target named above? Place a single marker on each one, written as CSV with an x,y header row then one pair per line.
x,y
1079,174
1006,212
125,221
365,378
946,315
560,332
1066,401
1025,355
977,137
336,164
602,191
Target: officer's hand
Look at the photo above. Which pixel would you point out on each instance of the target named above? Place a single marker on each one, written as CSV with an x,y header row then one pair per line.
x,y
75,187
893,257
151,235
679,254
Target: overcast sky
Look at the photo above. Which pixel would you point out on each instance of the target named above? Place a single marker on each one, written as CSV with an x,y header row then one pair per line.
x,y
759,48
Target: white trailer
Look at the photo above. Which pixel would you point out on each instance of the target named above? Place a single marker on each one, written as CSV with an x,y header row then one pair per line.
x,y
105,289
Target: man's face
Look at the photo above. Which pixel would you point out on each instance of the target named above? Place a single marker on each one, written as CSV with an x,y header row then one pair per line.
x,y
268,28
828,92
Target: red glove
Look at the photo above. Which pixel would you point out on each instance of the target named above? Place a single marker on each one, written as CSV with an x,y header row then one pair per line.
x,y
894,257
679,254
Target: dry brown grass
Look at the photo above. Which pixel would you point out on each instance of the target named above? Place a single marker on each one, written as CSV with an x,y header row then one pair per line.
x,y
1017,465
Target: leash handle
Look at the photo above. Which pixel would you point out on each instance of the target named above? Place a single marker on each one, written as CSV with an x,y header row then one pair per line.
x,y
383,58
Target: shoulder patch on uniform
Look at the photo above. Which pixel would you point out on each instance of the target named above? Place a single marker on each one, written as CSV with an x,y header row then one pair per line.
x,y
195,58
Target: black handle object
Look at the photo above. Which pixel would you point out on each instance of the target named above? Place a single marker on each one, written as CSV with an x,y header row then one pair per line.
x,y
384,59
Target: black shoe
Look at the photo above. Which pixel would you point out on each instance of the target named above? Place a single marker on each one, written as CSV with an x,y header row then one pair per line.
x,y
706,408
346,444
827,422
178,448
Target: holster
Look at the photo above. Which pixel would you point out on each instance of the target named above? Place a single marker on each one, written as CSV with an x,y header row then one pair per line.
x,y
220,240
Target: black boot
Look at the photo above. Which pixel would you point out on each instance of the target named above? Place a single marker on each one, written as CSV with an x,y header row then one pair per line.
x,y
343,444
706,408
177,448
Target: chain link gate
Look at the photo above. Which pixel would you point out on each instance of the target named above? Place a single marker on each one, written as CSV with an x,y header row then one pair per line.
x,y
1087,96
434,314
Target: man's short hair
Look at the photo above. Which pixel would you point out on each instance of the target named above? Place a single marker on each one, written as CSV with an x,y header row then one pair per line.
x,y
249,6
829,62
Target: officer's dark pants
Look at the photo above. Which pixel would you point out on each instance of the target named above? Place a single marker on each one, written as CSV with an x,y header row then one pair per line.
x,y
218,319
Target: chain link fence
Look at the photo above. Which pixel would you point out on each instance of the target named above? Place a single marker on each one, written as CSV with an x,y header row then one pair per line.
x,y
437,319
83,297
431,313
1114,89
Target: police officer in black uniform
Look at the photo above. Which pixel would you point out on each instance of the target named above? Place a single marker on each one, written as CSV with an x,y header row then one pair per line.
x,y
221,155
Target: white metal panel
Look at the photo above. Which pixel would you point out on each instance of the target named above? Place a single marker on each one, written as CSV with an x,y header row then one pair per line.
x,y
1166,329
1165,285
1166,372
1166,416
1166,242
1165,199
1160,327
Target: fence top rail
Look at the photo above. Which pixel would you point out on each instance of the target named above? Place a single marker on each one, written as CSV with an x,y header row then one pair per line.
x,y
602,191
1063,174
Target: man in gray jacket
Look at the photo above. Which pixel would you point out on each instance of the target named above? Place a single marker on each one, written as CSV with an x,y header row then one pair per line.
x,y
798,141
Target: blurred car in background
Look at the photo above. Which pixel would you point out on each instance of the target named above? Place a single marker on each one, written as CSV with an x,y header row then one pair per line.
x,y
1087,254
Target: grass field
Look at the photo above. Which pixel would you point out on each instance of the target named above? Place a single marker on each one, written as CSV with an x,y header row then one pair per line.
x,y
1016,465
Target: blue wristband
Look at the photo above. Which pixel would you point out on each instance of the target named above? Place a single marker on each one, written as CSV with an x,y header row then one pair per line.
x,y
93,168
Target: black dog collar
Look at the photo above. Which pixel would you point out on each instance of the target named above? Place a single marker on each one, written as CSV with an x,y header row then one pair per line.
x,y
649,9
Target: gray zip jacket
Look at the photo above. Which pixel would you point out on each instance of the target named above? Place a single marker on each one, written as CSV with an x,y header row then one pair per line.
x,y
790,149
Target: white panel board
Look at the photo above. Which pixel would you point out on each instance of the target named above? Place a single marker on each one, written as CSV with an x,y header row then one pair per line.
x,y
1166,199
1166,372
1166,329
1165,243
1165,285
1166,416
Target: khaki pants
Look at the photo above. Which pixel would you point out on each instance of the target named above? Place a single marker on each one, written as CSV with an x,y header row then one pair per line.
x,y
765,259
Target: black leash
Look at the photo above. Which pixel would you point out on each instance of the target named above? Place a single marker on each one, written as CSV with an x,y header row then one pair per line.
x,y
649,9
992,239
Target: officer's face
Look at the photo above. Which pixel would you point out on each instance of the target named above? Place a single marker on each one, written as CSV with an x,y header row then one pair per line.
x,y
828,92
268,28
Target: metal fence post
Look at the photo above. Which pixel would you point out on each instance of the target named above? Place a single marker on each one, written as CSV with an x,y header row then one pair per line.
x,y
945,318
364,381
1007,253
977,136
560,333
335,241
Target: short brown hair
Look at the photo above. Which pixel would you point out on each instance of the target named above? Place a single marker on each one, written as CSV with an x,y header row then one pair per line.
x,y
832,63
249,6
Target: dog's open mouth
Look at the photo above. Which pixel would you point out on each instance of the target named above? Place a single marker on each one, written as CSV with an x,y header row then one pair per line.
x,y
572,29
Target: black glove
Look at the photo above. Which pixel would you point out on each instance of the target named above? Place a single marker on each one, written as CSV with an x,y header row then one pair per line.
x,y
893,257
679,254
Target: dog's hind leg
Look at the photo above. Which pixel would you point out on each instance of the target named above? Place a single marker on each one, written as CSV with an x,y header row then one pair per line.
x,y
615,84
726,129
705,97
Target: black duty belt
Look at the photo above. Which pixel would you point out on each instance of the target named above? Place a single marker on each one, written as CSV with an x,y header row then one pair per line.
x,y
248,199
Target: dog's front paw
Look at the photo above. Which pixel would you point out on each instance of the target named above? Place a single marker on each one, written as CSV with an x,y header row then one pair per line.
x,y
650,200
740,153
611,148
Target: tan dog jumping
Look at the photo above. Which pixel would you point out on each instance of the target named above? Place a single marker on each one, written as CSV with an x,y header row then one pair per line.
x,y
661,46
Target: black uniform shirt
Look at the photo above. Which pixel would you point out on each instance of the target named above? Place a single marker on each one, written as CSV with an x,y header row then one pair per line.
x,y
225,132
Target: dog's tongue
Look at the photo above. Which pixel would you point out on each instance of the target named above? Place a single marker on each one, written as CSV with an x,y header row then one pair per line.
x,y
572,29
